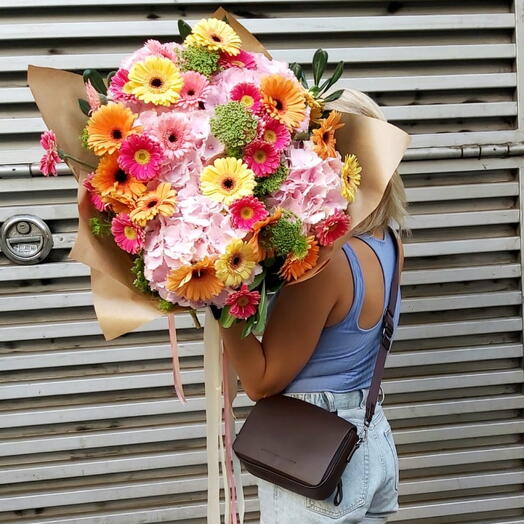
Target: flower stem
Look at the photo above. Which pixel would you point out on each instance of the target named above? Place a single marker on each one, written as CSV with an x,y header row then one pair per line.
x,y
64,156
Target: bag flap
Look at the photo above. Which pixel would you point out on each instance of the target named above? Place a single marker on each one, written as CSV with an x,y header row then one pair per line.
x,y
292,437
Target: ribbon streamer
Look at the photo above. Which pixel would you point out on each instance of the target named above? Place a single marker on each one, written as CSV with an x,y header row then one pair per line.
x,y
177,380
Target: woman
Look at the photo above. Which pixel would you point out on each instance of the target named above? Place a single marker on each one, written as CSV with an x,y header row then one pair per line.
x,y
320,346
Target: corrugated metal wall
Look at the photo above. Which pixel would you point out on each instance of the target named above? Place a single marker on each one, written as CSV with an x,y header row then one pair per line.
x,y
91,431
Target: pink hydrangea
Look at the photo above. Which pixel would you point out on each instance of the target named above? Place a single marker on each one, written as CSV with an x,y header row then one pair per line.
x,y
243,303
152,48
51,157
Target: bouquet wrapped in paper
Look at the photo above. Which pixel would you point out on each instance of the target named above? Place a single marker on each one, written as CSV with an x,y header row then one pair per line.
x,y
210,175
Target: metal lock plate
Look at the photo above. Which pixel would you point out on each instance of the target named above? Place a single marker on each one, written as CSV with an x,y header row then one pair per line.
x,y
25,239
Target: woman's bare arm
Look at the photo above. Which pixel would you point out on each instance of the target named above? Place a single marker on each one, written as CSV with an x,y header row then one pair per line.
x,y
294,327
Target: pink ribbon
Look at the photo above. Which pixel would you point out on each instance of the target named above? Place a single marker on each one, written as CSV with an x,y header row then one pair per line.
x,y
174,354
228,427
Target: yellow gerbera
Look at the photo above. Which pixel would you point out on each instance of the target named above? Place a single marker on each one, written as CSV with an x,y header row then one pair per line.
x,y
350,177
156,80
236,264
283,99
228,179
195,282
215,35
109,126
315,104
161,201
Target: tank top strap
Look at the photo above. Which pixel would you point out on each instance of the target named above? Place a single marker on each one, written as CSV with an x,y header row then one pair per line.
x,y
358,283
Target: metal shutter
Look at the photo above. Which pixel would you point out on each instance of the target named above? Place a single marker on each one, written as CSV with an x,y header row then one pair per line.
x,y
91,431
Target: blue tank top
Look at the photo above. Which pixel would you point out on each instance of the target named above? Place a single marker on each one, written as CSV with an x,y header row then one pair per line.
x,y
345,355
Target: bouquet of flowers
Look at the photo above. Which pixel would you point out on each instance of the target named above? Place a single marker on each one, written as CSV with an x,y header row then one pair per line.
x,y
217,170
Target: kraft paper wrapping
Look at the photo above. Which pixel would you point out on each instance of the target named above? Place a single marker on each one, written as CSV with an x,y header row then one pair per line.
x,y
119,306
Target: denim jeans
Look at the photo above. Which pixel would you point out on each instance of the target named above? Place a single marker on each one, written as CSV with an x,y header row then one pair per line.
x,y
369,482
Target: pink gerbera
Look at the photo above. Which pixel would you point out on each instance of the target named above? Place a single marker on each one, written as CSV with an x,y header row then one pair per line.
x,y
248,95
116,87
246,211
332,227
194,91
274,133
262,158
173,131
243,303
140,156
128,236
51,157
243,60
94,197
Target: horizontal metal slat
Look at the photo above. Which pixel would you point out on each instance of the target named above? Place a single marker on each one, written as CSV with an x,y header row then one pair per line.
x,y
455,247
458,274
335,54
462,191
49,270
262,26
45,211
468,218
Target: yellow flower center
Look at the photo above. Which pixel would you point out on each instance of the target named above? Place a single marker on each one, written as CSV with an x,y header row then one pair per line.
x,y
260,156
247,100
246,212
130,232
142,156
270,136
237,63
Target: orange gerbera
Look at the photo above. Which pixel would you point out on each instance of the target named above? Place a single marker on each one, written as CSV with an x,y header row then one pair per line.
x,y
283,99
195,282
324,136
161,201
110,178
260,251
109,126
294,268
119,202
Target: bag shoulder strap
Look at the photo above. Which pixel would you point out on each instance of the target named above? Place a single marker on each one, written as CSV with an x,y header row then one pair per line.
x,y
387,332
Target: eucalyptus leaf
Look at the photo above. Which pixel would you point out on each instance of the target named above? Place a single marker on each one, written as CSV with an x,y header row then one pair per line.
x,y
184,29
224,19
320,59
334,77
334,96
226,320
96,80
299,73
84,106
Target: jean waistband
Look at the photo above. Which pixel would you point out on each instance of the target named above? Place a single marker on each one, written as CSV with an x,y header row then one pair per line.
x,y
337,401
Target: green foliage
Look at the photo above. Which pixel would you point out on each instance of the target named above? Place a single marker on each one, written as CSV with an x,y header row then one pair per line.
x,y
270,184
84,137
333,78
285,236
96,79
334,96
184,29
164,305
234,125
320,59
100,227
84,106
199,59
140,281
299,73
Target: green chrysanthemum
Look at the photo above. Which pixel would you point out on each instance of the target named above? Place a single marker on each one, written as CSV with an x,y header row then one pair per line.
x,y
84,136
285,236
270,184
199,59
140,281
233,125
100,227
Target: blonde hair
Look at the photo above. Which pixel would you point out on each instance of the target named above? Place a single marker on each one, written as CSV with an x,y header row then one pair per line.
x,y
392,206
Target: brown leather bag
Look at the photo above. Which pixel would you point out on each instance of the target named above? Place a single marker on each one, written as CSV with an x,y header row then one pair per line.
x,y
303,447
